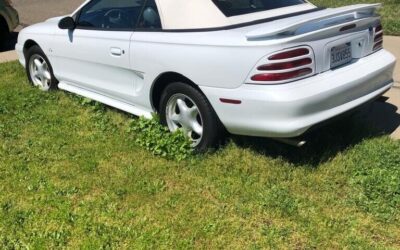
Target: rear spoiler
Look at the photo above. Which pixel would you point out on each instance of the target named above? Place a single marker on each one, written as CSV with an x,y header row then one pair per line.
x,y
313,21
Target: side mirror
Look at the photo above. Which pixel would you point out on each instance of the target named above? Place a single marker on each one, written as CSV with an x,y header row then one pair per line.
x,y
67,23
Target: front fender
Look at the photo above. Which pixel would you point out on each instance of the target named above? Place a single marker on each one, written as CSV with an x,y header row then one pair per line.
x,y
41,34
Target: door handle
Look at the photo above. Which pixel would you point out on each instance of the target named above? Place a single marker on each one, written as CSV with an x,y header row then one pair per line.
x,y
117,51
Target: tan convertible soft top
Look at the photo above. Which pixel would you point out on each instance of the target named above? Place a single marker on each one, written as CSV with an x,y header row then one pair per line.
x,y
197,14
201,14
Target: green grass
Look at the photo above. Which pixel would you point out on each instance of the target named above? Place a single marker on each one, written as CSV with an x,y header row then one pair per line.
x,y
72,176
390,12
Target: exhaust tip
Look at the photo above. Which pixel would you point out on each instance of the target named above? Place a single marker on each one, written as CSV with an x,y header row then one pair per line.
x,y
292,142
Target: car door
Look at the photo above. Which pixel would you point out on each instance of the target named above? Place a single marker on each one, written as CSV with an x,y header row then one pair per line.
x,y
96,54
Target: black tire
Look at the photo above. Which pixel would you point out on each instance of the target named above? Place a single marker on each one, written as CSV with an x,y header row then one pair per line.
x,y
4,35
33,51
212,127
4,32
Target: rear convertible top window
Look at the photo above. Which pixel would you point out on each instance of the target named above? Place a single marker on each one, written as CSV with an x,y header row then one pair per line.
x,y
241,7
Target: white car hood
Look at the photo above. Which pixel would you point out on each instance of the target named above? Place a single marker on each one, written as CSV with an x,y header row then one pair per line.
x,y
54,19
47,27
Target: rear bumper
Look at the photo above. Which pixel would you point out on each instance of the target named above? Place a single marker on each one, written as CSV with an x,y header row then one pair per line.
x,y
289,110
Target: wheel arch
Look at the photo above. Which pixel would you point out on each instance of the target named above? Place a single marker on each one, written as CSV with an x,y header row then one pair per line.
x,y
29,44
162,81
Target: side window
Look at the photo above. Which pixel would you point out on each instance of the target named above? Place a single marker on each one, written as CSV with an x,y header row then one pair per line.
x,y
150,18
110,14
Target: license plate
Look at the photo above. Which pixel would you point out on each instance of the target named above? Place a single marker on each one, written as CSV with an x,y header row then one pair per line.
x,y
341,55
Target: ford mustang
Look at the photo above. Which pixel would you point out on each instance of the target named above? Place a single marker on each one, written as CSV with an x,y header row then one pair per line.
x,y
253,67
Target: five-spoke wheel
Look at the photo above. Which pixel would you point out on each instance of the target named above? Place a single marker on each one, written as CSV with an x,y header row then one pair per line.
x,y
39,70
183,113
184,107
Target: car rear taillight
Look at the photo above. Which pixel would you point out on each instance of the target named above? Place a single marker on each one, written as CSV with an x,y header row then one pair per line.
x,y
290,54
284,66
273,77
378,37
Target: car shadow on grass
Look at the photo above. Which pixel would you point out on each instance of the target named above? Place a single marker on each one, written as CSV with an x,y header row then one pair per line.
x,y
373,120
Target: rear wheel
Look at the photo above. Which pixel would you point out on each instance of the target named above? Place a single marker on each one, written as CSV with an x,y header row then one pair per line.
x,y
39,70
184,107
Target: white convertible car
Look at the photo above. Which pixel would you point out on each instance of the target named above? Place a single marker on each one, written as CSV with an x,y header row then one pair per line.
x,y
255,67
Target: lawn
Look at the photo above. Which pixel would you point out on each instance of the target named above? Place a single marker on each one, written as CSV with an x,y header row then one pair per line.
x,y
73,176
390,12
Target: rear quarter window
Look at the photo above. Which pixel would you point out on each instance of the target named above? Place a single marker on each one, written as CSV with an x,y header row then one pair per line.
x,y
241,7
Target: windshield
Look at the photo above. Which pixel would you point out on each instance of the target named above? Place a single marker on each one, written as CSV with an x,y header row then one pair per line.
x,y
241,7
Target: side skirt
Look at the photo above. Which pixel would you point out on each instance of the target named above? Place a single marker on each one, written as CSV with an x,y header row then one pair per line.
x,y
106,100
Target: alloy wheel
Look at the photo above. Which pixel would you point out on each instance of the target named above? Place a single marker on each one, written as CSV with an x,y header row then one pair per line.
x,y
39,72
183,113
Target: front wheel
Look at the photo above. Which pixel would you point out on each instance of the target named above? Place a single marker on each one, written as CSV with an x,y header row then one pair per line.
x,y
184,107
39,70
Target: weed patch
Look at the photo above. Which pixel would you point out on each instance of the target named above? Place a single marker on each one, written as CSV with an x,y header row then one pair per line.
x,y
150,134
